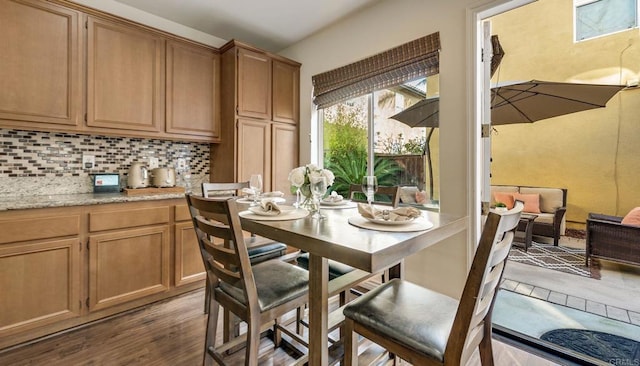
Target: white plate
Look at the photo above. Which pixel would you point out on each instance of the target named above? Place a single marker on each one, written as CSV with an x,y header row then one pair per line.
x,y
334,203
389,222
259,211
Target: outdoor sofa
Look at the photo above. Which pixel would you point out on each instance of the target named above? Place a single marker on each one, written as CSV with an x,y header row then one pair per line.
x,y
608,238
549,204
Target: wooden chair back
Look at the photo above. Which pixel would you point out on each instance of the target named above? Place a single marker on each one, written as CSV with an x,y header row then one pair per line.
x,y
226,265
227,189
473,318
390,192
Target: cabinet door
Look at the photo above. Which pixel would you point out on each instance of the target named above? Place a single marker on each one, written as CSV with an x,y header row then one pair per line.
x,y
40,284
125,71
286,92
254,84
188,260
193,82
127,265
284,153
39,65
254,151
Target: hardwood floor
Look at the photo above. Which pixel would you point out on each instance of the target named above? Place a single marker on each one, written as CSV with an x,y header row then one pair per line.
x,y
169,333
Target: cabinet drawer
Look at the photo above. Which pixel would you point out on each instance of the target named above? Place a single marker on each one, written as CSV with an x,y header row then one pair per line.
x,y
39,228
182,213
109,220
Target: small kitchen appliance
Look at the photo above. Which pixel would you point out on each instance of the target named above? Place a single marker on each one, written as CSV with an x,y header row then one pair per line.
x,y
164,177
138,176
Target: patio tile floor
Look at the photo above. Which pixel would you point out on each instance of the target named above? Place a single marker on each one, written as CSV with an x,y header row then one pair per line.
x,y
578,303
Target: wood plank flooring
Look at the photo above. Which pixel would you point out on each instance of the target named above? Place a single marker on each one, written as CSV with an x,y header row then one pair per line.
x,y
168,333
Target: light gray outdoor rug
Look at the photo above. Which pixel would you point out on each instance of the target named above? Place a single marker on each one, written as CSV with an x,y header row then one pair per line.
x,y
564,259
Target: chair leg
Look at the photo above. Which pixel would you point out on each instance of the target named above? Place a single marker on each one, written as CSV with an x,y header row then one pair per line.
x,y
211,332
299,316
253,343
207,299
485,348
277,334
350,344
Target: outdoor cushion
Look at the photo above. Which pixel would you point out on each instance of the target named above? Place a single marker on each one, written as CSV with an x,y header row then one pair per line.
x,y
421,197
408,194
494,189
531,202
506,198
550,198
632,218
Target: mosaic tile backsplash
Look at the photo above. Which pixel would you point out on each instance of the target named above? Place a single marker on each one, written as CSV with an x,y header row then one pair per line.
x,y
28,157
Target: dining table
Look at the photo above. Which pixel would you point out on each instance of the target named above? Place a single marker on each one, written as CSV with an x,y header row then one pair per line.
x,y
343,236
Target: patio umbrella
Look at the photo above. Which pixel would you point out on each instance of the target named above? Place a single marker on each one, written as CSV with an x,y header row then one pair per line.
x,y
523,102
535,100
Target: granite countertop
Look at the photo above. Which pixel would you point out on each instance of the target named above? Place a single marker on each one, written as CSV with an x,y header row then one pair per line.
x,y
80,199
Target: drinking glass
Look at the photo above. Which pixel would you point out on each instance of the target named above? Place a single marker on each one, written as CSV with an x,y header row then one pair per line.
x,y
255,183
318,185
369,187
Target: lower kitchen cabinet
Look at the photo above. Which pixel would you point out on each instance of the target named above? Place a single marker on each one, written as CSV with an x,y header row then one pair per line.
x,y
67,266
188,260
127,265
39,284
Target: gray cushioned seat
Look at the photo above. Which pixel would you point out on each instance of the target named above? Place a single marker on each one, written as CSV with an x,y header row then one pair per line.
x,y
398,309
277,282
336,269
266,252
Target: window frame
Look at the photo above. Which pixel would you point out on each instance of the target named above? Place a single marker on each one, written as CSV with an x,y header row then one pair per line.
x,y
579,3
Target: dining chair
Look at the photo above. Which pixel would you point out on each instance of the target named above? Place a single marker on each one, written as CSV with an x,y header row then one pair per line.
x,y
425,327
260,249
257,294
390,193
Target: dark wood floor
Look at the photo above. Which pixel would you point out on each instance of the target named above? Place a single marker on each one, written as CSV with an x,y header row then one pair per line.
x,y
169,333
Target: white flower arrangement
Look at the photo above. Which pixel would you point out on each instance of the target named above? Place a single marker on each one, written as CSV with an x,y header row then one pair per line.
x,y
299,178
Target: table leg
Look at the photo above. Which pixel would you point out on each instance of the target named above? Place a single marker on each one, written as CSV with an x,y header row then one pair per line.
x,y
528,235
318,310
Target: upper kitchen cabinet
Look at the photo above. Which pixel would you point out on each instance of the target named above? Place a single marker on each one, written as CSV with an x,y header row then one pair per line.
x,y
286,92
254,84
259,113
125,78
192,93
40,66
268,86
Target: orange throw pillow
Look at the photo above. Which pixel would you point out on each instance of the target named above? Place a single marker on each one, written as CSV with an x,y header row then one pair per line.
x,y
421,197
632,218
506,198
531,202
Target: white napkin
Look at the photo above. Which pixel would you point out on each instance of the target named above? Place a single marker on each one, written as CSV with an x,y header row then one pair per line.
x,y
397,214
273,194
333,197
269,206
248,192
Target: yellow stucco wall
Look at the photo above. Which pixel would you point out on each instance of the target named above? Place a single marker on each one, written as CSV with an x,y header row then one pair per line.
x,y
594,154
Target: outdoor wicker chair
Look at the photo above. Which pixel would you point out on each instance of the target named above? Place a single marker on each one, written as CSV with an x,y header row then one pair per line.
x,y
609,239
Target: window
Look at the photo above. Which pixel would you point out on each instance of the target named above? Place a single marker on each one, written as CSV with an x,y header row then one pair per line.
x,y
602,17
352,135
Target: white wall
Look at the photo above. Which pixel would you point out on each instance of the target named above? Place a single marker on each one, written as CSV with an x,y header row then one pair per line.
x,y
383,26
